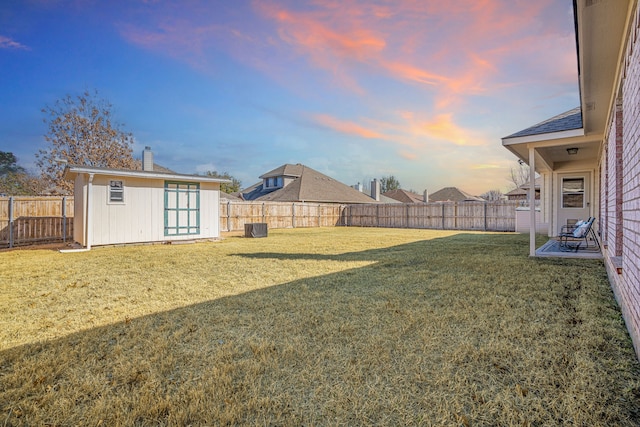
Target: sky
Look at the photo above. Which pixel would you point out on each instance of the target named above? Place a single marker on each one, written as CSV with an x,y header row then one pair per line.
x,y
422,90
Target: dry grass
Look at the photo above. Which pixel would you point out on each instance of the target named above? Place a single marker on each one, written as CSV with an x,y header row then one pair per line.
x,y
341,326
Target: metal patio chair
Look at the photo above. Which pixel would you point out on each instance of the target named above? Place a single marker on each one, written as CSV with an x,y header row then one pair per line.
x,y
572,236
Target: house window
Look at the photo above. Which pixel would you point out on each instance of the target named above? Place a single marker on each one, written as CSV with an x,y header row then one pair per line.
x,y
116,192
181,208
273,182
573,193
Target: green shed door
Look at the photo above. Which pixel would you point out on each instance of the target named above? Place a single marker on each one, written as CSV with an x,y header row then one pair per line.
x,y
181,208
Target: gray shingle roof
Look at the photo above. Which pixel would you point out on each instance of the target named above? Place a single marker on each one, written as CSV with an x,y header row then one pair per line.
x,y
404,196
310,186
285,170
568,120
452,194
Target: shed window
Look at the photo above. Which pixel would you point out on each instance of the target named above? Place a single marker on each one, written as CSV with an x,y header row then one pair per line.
x,y
181,208
116,192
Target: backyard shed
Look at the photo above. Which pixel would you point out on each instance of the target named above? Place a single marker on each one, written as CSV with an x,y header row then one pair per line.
x,y
117,206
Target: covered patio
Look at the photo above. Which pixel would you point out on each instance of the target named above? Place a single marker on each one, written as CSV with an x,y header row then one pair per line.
x,y
553,249
565,157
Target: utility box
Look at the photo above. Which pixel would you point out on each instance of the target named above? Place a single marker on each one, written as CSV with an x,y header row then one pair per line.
x,y
255,229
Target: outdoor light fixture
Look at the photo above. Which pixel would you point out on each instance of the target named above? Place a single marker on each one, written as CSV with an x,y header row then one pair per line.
x,y
572,151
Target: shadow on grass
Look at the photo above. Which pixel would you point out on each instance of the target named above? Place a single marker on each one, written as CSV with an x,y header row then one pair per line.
x,y
462,330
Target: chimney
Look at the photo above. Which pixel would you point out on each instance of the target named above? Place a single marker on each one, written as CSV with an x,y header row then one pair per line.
x,y
425,196
375,190
358,187
147,159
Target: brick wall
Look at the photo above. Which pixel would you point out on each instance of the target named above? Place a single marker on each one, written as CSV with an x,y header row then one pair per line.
x,y
626,285
612,200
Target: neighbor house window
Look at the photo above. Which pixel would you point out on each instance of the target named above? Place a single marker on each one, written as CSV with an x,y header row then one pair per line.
x,y
573,192
276,181
116,192
181,208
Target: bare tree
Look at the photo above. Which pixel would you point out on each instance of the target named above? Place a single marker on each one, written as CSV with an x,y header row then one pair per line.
x,y
82,132
492,195
519,175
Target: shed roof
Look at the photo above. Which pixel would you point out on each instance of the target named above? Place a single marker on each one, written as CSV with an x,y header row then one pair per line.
x,y
72,171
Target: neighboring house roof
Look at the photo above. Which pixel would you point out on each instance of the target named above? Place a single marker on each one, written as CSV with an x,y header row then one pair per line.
x,y
156,167
385,199
72,171
404,196
452,194
308,185
569,120
288,170
233,197
523,189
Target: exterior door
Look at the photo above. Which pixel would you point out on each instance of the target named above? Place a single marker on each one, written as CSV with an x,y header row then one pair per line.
x,y
574,198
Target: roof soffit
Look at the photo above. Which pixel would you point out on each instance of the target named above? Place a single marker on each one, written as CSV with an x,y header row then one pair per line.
x,y
601,26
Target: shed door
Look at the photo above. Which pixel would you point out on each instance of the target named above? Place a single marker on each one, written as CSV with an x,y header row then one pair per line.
x,y
181,208
573,198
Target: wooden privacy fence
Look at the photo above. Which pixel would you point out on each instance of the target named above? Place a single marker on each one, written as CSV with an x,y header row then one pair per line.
x,y
28,220
483,216
234,215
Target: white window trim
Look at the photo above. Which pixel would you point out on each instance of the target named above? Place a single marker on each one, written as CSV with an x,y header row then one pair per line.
x,y
562,194
115,202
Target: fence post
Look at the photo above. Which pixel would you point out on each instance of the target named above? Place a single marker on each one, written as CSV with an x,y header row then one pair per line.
x,y
485,216
263,213
407,215
64,219
293,215
318,214
11,221
443,216
228,215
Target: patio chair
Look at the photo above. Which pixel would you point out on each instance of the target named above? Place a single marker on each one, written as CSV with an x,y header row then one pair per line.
x,y
572,236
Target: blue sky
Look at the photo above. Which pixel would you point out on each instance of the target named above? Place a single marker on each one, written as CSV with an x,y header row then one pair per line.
x,y
419,89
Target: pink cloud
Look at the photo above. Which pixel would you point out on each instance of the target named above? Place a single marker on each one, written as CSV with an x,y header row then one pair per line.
x,y
346,127
8,43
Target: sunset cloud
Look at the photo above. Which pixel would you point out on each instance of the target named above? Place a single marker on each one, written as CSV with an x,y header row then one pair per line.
x,y
346,127
424,88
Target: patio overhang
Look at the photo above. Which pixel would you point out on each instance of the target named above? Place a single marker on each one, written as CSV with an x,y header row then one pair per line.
x,y
551,149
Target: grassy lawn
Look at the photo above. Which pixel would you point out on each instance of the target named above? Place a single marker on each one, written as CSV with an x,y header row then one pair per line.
x,y
330,326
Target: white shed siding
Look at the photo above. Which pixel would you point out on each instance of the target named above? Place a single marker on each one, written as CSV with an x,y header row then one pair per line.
x,y
79,210
141,217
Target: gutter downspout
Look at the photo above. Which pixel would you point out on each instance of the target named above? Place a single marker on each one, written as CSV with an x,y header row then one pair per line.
x,y
88,232
532,202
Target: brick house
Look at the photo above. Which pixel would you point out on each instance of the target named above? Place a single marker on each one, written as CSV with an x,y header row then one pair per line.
x,y
589,157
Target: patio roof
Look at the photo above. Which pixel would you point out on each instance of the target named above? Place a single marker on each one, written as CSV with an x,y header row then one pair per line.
x,y
569,120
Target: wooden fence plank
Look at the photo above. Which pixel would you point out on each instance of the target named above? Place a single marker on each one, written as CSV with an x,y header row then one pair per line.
x,y
42,219
481,216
